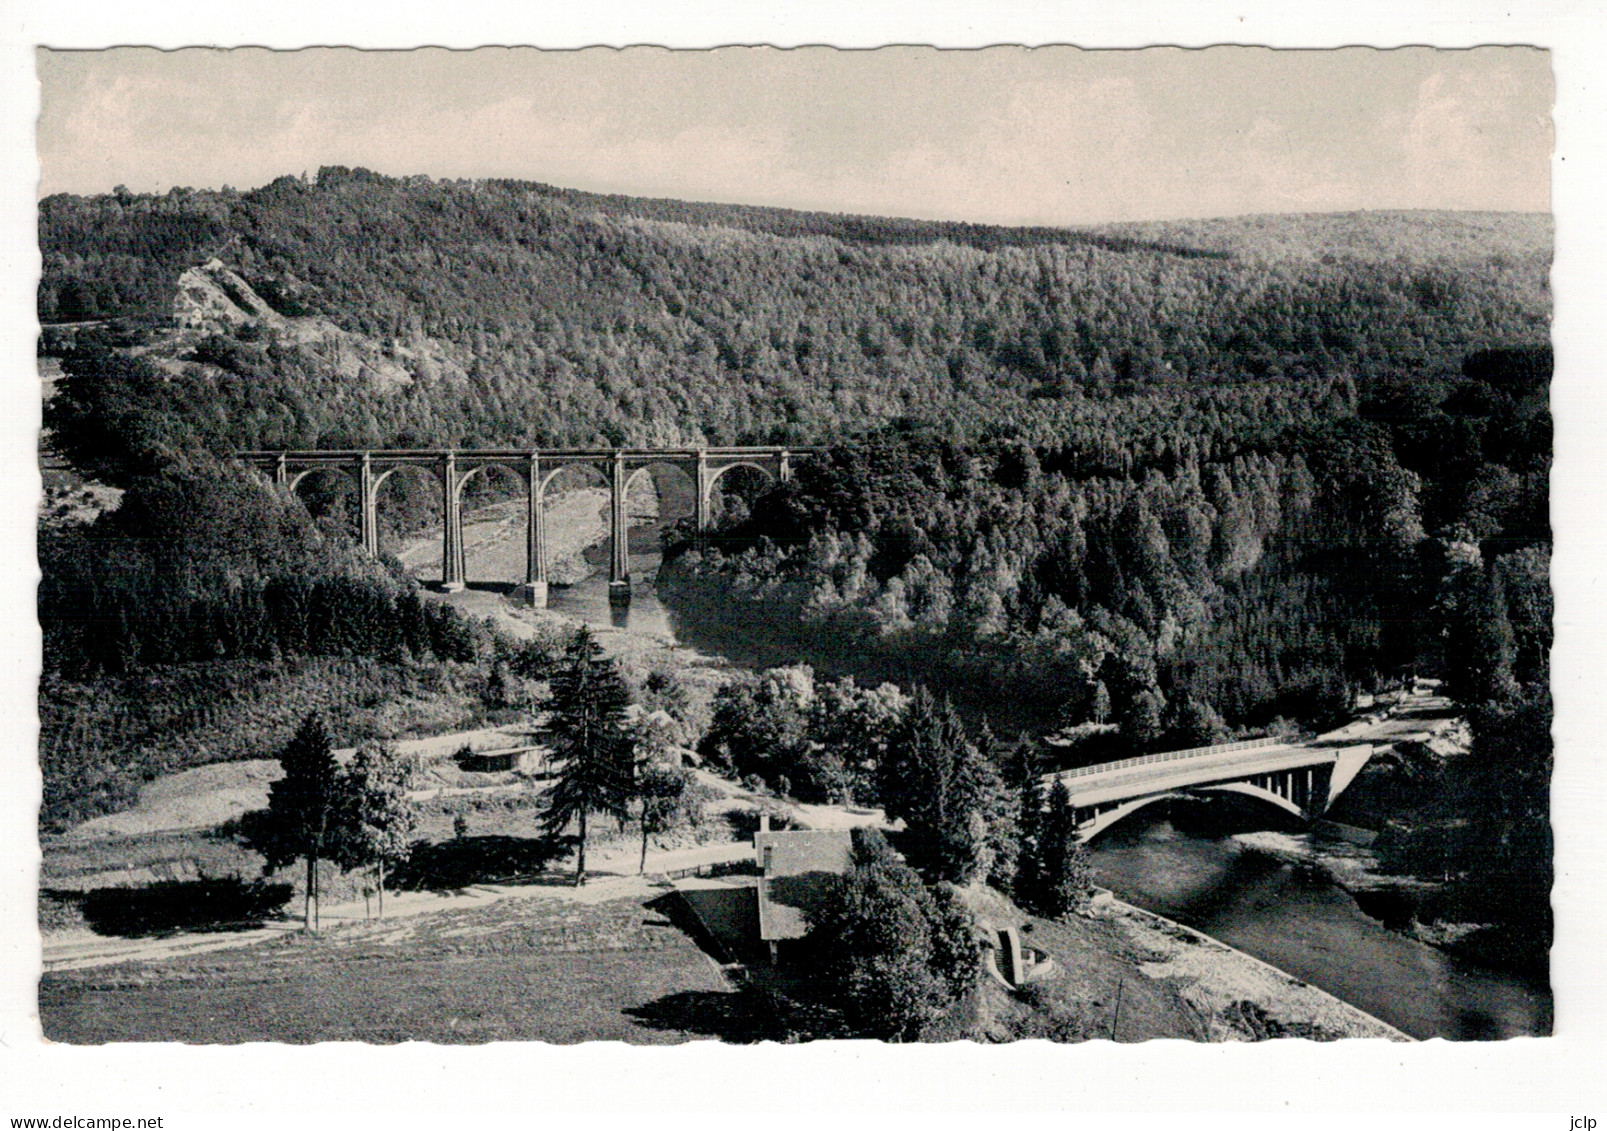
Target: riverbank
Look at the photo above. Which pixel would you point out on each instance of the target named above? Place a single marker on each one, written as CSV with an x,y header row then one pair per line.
x,y
1124,974
1239,996
1430,912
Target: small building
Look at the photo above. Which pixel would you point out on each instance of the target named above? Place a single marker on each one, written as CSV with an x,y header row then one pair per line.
x,y
524,759
796,869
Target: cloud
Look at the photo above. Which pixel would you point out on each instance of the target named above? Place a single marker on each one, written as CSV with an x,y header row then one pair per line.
x,y
1048,136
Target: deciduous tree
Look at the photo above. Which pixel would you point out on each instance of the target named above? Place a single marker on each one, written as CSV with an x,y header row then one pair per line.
x,y
302,813
890,956
376,817
664,794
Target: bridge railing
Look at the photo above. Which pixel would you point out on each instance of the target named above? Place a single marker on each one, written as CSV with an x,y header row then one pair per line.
x,y
524,453
1169,756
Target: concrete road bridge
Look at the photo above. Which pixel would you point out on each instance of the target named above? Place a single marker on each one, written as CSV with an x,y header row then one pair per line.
x,y
454,468
1302,779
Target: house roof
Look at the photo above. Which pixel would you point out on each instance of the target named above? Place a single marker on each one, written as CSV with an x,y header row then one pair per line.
x,y
795,870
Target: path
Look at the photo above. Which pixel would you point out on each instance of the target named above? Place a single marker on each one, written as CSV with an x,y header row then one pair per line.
x,y
612,875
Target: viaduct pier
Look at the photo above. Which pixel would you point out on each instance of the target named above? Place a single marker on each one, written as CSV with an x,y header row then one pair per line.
x,y
454,468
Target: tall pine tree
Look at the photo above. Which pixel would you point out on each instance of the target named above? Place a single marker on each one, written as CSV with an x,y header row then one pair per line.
x,y
1064,877
301,818
590,741
1027,886
936,781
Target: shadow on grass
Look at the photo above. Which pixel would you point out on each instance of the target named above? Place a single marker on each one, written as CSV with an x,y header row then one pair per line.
x,y
466,861
706,927
756,1012
215,905
740,1017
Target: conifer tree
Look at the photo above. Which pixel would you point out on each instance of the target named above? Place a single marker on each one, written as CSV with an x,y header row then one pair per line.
x,y
300,819
1027,885
1064,876
936,781
590,741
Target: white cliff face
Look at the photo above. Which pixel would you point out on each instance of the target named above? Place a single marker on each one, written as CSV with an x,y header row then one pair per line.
x,y
213,299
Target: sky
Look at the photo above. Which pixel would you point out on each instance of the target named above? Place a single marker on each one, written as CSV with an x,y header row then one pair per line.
x,y
1002,135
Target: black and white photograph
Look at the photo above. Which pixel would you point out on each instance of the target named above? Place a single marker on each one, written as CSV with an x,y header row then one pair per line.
x,y
781,547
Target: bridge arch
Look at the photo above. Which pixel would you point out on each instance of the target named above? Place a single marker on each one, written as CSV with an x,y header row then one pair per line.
x,y
711,482
1104,821
424,469
499,493
718,473
587,469
349,491
1257,793
675,484
399,504
482,470
1088,831
299,477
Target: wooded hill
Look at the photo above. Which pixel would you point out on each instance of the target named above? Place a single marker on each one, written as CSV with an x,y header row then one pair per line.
x,y
522,313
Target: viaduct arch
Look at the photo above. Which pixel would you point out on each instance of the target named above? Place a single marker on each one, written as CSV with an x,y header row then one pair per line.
x,y
454,467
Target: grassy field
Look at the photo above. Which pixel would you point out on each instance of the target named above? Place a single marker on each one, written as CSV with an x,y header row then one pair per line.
x,y
529,969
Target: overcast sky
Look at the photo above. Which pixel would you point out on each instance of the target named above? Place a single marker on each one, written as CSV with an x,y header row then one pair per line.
x,y
1007,135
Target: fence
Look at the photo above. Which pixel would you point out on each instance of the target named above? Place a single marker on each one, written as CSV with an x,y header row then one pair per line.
x,y
743,867
1169,756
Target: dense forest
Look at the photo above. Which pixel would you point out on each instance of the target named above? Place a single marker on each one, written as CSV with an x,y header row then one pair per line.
x,y
1249,556
415,311
1150,483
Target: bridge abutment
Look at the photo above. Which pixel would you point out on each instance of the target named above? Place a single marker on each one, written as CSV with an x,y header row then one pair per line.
x,y
532,593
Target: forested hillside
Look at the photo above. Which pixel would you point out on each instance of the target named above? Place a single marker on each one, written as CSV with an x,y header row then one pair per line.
x,y
1180,478
523,313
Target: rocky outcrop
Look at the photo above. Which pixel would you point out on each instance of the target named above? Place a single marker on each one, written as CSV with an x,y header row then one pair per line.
x,y
214,299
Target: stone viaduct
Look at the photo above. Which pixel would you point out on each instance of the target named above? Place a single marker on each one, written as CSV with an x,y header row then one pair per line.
x,y
454,468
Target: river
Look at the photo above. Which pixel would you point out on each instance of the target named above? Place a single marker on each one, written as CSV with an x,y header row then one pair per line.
x,y
1284,907
1271,896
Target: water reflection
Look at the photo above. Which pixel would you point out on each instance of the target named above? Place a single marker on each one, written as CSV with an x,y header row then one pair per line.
x,y
588,601
1295,917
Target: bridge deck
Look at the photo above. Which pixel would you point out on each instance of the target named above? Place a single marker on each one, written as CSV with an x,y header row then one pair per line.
x,y
347,454
1118,781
